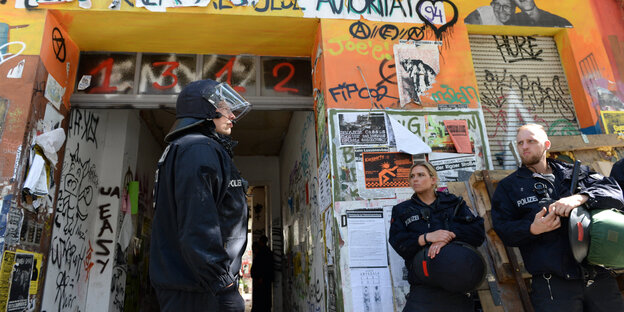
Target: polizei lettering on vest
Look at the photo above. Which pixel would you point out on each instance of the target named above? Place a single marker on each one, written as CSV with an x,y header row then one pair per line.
x,y
411,219
527,200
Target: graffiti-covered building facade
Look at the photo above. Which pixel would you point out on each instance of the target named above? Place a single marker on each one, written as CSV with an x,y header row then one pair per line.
x,y
88,89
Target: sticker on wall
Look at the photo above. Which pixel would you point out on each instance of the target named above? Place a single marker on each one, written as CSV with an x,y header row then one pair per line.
x,y
449,166
458,130
417,66
54,92
324,183
84,83
386,170
362,128
115,5
16,72
85,4
613,122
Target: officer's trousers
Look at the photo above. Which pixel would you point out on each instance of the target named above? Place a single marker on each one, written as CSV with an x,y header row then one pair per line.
x,y
178,301
574,296
433,299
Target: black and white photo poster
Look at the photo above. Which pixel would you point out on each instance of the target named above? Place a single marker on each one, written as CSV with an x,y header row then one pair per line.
x,y
417,65
20,282
362,128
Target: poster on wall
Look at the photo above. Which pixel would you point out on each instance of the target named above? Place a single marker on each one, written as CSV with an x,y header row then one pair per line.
x,y
349,175
367,239
324,183
398,270
60,56
8,259
363,191
452,167
15,218
362,128
613,121
519,13
20,282
386,170
458,130
371,289
36,270
417,65
332,299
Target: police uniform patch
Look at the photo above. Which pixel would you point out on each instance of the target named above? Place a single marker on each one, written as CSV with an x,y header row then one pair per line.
x,y
411,219
527,200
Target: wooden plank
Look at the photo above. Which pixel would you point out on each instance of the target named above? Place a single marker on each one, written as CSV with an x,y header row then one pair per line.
x,y
575,142
511,298
487,304
511,254
602,167
496,249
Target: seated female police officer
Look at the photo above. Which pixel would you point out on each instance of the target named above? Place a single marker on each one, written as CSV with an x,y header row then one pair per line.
x,y
432,219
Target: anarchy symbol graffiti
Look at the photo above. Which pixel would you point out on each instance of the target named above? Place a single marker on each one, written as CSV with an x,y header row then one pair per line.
x,y
58,45
360,30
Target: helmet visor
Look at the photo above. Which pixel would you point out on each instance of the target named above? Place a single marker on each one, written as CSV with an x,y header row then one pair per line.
x,y
228,102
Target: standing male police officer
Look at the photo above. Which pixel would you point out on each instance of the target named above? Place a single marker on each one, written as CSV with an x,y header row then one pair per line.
x,y
559,283
199,233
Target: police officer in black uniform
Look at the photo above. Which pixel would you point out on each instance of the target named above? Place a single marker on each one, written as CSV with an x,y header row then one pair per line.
x,y
528,208
617,172
199,232
432,219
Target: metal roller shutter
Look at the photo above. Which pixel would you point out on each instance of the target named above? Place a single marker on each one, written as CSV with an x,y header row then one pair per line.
x,y
520,80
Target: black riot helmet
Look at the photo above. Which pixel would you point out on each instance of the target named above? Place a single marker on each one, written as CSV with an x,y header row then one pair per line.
x,y
458,268
200,100
578,232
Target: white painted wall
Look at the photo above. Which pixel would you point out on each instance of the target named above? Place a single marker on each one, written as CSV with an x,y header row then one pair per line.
x,y
304,278
101,146
262,170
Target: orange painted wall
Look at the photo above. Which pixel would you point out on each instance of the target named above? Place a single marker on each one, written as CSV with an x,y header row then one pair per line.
x,y
375,57
611,24
344,53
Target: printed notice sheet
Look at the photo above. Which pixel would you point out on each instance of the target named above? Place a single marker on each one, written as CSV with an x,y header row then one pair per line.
x,y
367,238
371,290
